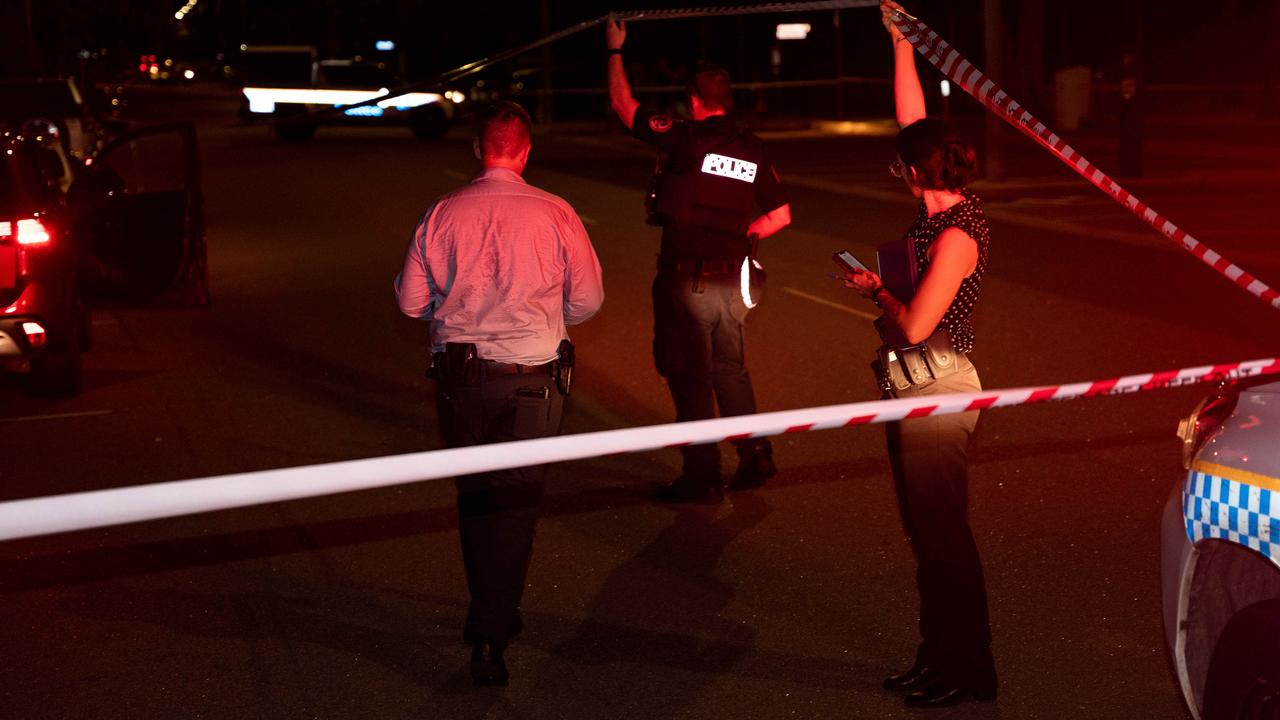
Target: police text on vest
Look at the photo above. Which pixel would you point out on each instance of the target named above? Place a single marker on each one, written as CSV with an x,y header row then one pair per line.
x,y
728,167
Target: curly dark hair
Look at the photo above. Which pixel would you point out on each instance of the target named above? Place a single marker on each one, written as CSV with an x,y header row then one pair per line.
x,y
941,159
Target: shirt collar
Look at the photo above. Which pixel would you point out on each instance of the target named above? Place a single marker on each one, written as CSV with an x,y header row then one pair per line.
x,y
500,173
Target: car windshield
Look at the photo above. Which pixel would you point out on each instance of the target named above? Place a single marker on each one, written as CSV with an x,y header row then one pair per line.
x,y
21,101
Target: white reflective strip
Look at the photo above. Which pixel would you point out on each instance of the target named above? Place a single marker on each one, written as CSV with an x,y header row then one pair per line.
x,y
1150,214
728,167
744,283
1233,271
1097,175
269,97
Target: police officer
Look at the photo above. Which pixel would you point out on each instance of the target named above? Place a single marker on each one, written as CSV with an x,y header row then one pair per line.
x,y
499,268
713,174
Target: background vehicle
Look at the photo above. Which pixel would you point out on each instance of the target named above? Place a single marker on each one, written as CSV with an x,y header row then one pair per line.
x,y
43,324
123,228
284,80
1220,547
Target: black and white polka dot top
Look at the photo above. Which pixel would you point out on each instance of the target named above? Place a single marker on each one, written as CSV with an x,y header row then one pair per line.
x,y
966,215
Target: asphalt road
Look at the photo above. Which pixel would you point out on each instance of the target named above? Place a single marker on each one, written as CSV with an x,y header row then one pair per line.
x,y
793,601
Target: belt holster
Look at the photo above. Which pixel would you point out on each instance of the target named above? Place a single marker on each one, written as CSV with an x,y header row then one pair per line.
x,y
906,370
562,368
458,365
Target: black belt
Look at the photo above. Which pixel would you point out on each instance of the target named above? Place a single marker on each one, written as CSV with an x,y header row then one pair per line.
x,y
706,267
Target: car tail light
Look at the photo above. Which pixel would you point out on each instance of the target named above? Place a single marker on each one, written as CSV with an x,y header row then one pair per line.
x,y
29,232
1197,427
35,334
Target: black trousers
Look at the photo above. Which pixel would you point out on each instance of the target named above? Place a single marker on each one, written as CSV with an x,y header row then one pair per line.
x,y
497,511
929,458
699,347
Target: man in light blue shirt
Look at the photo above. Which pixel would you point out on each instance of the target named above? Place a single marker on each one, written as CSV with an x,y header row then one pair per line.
x,y
499,269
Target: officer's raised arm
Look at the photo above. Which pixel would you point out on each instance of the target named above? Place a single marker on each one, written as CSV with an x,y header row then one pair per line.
x,y
907,94
624,104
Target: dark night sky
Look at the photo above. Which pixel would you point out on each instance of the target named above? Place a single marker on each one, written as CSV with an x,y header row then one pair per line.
x,y
1183,41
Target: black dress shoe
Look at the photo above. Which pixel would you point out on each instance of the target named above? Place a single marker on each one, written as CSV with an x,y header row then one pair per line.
x,y
917,676
753,471
941,693
487,667
684,490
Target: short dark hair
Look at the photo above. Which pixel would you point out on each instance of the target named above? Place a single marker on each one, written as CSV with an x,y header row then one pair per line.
x,y
941,159
710,84
504,129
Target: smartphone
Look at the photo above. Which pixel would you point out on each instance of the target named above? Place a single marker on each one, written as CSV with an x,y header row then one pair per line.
x,y
847,261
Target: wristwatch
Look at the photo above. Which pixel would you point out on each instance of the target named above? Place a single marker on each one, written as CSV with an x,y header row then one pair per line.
x,y
875,295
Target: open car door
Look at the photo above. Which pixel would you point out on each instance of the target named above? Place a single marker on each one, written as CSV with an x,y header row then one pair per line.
x,y
139,218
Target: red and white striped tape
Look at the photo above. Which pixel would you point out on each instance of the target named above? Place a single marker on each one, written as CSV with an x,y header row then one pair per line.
x,y
101,508
944,57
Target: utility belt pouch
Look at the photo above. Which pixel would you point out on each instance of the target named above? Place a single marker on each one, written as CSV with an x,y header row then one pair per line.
x,y
890,376
941,355
903,371
564,367
458,365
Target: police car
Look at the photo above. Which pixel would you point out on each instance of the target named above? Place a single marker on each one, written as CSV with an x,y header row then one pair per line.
x,y
1220,548
284,80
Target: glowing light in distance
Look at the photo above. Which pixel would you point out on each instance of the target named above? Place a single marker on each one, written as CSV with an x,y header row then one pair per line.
x,y
189,74
385,45
364,111
946,88
792,31
264,100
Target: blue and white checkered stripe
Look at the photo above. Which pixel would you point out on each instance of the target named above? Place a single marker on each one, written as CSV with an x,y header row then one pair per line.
x,y
1218,507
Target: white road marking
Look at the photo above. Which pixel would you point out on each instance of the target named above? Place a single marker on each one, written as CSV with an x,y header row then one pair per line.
x,y
828,303
59,416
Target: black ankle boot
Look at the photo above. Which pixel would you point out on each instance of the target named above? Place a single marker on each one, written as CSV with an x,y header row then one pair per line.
x,y
912,678
754,468
487,666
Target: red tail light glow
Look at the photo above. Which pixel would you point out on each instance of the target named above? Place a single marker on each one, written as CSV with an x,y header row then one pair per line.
x,y
1206,418
30,231
35,334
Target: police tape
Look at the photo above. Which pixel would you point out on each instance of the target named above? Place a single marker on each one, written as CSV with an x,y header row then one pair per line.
x,y
944,57
101,508
471,68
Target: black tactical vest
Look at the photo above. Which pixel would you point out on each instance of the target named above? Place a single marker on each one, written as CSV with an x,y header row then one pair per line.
x,y
713,188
